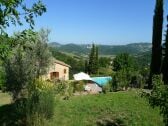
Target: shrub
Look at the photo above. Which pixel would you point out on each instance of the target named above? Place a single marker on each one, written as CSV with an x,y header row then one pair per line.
x,y
40,103
107,88
122,79
78,86
159,96
2,80
64,88
136,81
114,83
60,87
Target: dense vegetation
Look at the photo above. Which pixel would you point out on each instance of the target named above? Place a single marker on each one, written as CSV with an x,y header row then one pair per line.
x,y
157,41
25,57
165,60
92,64
159,64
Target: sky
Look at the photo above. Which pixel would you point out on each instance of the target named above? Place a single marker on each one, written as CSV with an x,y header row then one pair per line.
x,y
110,22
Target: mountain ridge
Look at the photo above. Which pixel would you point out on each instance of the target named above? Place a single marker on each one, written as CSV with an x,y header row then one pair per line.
x,y
84,49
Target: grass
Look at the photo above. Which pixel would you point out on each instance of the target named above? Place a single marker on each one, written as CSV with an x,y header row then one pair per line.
x,y
5,98
125,108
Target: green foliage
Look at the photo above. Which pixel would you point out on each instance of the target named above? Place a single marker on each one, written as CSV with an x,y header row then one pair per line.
x,y
41,52
165,60
159,96
137,80
12,10
86,66
18,70
103,71
125,72
6,45
60,87
28,60
96,59
93,61
123,61
78,86
40,103
123,79
143,60
64,88
145,75
114,83
107,88
156,41
104,61
2,76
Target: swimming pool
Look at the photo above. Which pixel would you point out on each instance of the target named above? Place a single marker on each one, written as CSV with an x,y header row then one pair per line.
x,y
102,80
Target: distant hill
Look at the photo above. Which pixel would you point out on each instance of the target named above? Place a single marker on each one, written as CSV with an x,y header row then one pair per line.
x,y
54,44
83,49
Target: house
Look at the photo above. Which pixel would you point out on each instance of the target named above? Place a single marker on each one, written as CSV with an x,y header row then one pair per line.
x,y
57,70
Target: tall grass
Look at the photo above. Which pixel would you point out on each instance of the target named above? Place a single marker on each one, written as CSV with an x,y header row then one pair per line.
x,y
40,104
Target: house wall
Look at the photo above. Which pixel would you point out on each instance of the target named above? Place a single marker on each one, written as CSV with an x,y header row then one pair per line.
x,y
55,67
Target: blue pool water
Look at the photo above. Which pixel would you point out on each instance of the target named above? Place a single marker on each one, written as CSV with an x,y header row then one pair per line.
x,y
102,80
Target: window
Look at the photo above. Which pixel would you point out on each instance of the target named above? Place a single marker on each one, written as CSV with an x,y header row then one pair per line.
x,y
65,71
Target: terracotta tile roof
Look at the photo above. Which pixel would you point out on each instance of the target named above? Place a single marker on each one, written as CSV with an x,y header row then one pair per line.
x,y
61,63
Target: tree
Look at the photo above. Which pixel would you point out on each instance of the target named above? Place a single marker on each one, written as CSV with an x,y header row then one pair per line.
x,y
42,53
91,64
155,67
123,61
159,97
124,67
28,60
96,59
19,68
86,66
165,61
11,12
104,61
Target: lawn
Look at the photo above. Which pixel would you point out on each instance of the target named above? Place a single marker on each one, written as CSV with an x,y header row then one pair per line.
x,y
125,108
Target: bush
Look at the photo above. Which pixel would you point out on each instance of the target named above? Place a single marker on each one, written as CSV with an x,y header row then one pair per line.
x,y
114,83
2,76
60,87
40,103
64,88
136,81
107,88
78,86
159,96
121,79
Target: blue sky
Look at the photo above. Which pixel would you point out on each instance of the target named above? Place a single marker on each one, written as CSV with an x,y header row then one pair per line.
x,y
99,21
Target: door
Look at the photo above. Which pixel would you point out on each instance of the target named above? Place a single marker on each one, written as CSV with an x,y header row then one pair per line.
x,y
54,75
